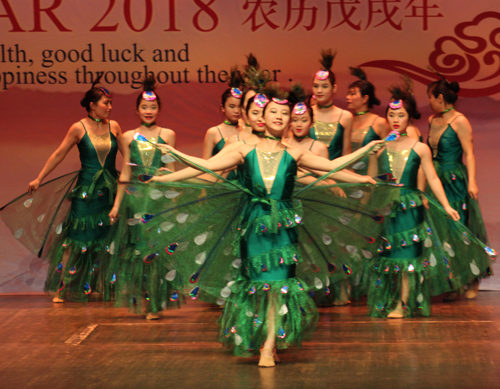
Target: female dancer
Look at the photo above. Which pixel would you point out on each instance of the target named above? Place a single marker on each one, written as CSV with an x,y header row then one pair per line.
x,y
270,306
216,137
451,140
366,126
134,276
301,122
255,81
332,125
418,258
75,238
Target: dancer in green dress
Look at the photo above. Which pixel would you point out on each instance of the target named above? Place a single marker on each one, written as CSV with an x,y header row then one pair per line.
x,y
73,218
451,141
141,283
216,137
420,257
265,280
332,125
366,126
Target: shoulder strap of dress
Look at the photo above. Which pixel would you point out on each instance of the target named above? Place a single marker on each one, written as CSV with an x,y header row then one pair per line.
x,y
83,126
312,145
220,133
455,118
414,144
243,140
159,132
374,120
341,112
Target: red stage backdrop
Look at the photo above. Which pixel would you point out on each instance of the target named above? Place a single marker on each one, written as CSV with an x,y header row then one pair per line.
x,y
50,50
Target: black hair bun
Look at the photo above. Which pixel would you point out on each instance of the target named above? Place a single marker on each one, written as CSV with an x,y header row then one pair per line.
x,y
454,86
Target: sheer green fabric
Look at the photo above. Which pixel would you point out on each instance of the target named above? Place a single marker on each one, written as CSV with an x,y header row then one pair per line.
x,y
138,282
422,246
257,251
66,220
361,167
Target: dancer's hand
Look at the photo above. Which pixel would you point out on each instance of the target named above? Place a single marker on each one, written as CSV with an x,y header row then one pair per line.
x,y
473,190
376,144
337,191
165,149
425,202
164,169
454,214
33,186
113,215
367,180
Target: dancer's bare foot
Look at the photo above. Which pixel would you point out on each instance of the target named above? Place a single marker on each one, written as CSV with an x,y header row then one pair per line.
x,y
266,358
473,289
152,316
56,299
397,313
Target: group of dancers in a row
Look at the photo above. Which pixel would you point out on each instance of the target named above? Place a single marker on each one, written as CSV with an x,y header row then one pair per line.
x,y
296,203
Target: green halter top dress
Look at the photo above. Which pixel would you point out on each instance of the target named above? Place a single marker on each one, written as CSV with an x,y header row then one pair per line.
x,y
85,230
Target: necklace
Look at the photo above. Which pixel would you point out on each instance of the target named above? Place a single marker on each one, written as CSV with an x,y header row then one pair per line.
x,y
148,124
94,119
403,134
257,133
447,110
229,123
361,113
325,106
270,137
248,125
301,137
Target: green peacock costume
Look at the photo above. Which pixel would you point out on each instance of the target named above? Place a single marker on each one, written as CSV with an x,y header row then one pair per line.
x,y
140,282
361,137
260,245
447,156
422,245
331,135
71,219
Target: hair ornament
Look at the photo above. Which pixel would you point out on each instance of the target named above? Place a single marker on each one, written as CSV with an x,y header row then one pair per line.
x,y
106,92
261,100
149,95
322,74
396,104
236,93
300,108
280,101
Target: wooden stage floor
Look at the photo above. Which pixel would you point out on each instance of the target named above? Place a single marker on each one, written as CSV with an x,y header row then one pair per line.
x,y
71,345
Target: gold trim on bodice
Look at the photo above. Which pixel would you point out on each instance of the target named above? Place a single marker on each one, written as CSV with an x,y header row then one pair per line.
x,y
102,145
358,136
325,132
397,161
147,150
268,165
435,133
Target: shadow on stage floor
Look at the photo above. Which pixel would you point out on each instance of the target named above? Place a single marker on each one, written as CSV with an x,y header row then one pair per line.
x,y
93,345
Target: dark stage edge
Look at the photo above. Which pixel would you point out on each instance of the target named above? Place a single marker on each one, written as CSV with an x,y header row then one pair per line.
x,y
93,345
